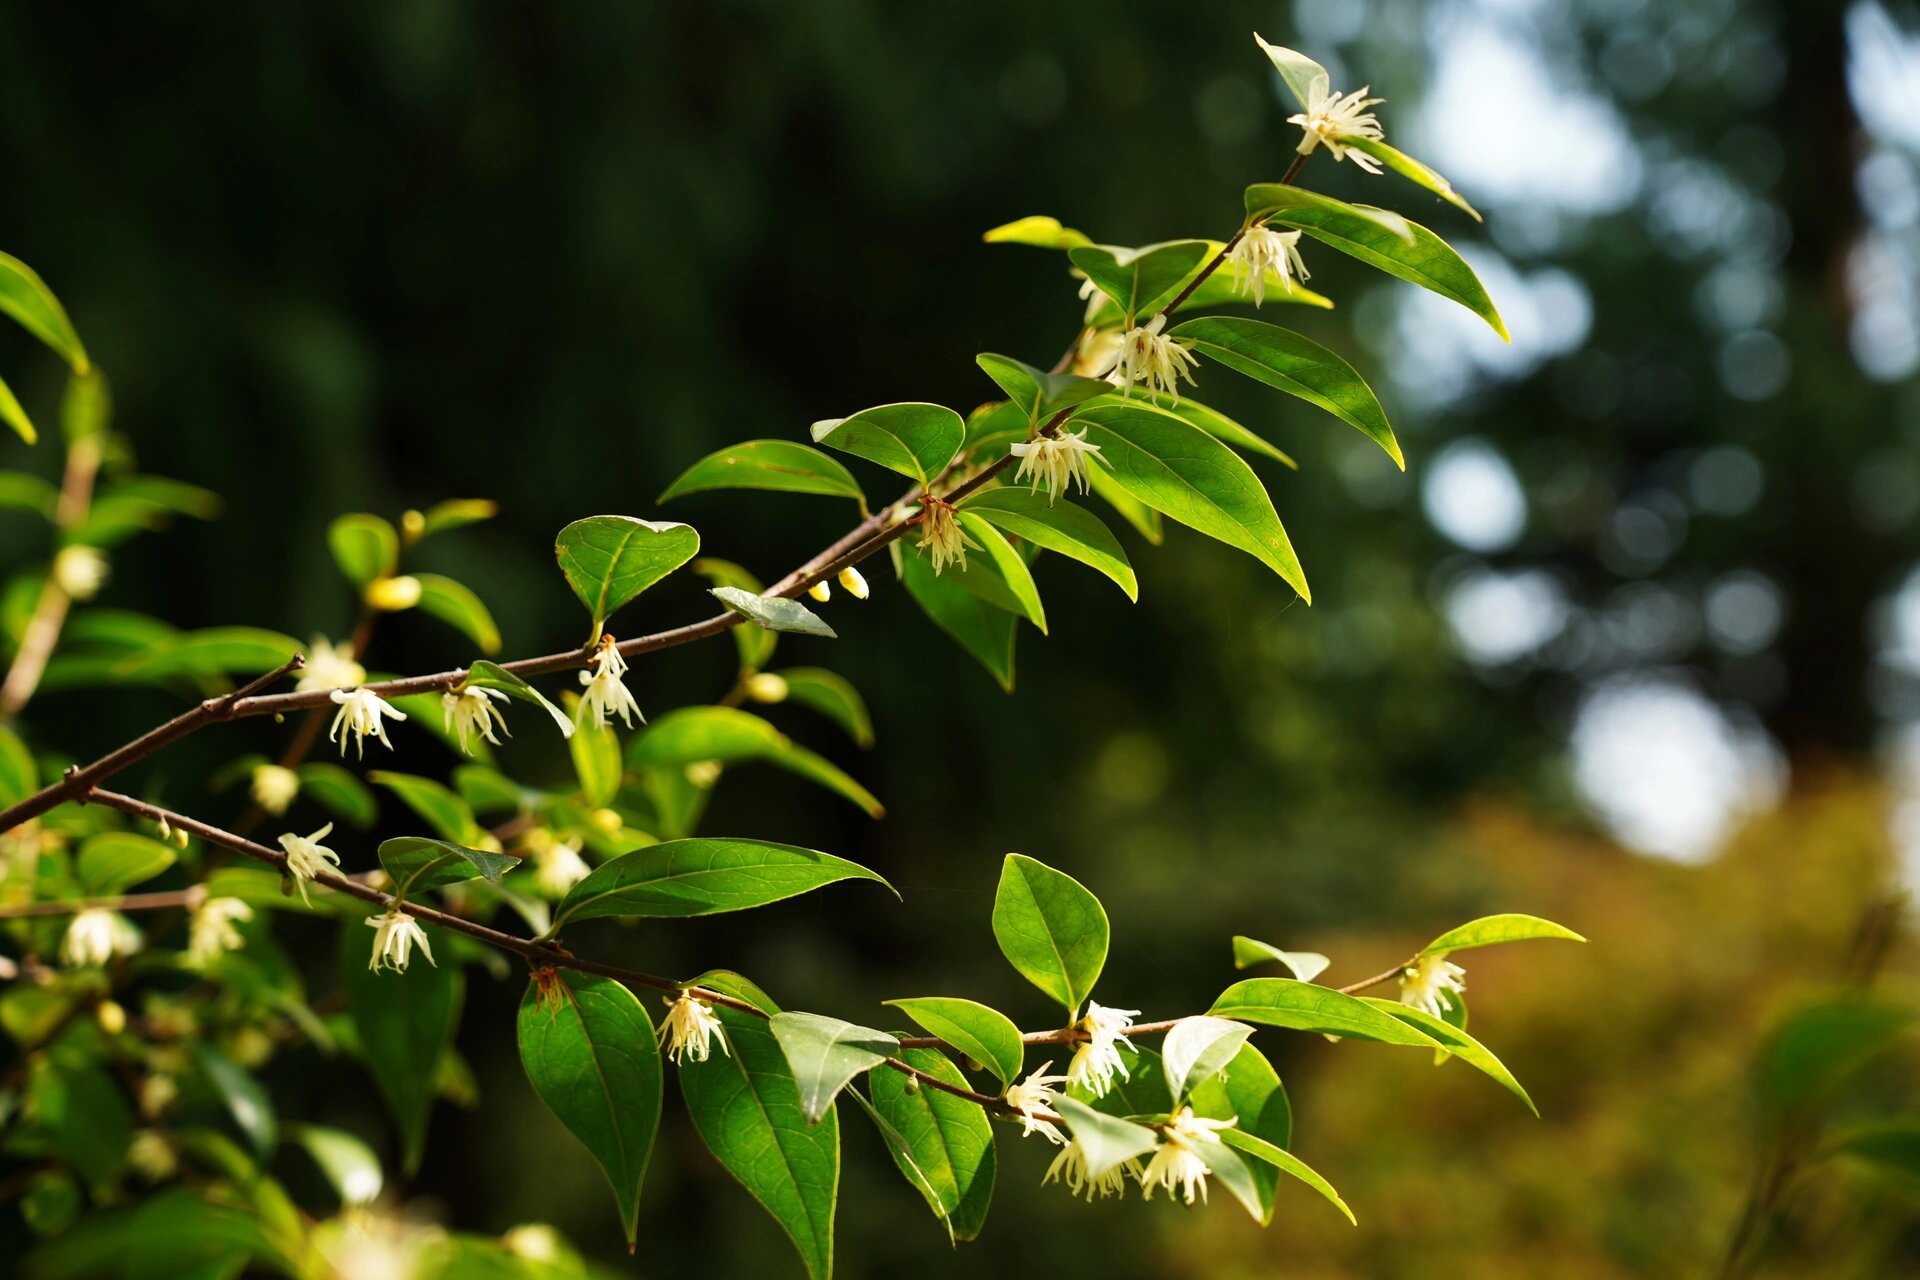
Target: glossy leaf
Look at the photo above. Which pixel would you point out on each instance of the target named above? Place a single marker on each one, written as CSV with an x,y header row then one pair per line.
x,y
246,1100
767,464
1302,1006
1249,1092
755,644
701,877
1139,280
1106,1140
774,613
1007,565
456,513
1050,928
348,1163
833,696
1487,930
1038,230
588,1049
1197,1049
415,863
1037,394
25,297
1058,526
994,427
608,560
947,1140
1456,1042
455,604
689,735
1286,1162
982,630
1231,1172
916,440
15,415
365,547
1415,171
1279,201
1304,965
115,861
437,806
1219,426
595,750
1305,78
491,675
985,1035
404,1023
1145,520
825,1053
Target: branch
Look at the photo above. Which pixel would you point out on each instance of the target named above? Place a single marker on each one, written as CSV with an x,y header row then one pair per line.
x,y
50,610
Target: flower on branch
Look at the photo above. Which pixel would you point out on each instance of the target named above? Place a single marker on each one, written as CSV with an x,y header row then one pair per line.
x,y
394,937
1071,1167
941,536
854,584
359,715
1056,461
606,694
80,571
691,1028
212,931
1177,1164
1331,118
470,710
1428,981
95,936
274,788
1147,356
307,857
1262,249
329,668
558,866
1036,1093
1097,1060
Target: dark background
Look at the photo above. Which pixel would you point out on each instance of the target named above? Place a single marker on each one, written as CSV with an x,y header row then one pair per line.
x,y
366,256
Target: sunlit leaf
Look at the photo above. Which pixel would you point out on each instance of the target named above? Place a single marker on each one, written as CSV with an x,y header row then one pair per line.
x,y
780,465
1050,928
701,877
608,560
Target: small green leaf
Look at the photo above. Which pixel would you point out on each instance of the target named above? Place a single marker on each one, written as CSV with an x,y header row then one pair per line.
x,y
1139,280
1305,78
455,604
1487,930
1059,527
946,1140
25,297
1249,1092
595,749
1302,1006
115,861
608,560
245,1098
1197,1049
1456,1042
19,776
1008,566
774,613
456,513
917,440
755,644
588,1049
16,417
1050,928
689,735
1288,1163
1106,1140
1039,395
365,547
825,1053
982,630
491,675
833,696
767,464
1231,1172
438,807
24,491
415,863
701,877
1407,167
1305,965
404,1023
985,1035
995,427
1039,231
348,1163
1890,1145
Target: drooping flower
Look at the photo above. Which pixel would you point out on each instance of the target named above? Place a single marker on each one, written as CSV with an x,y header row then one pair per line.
x,y
1428,981
821,591
691,1028
1097,1060
80,571
1331,118
329,668
1071,1167
606,694
360,715
941,536
394,937
1177,1164
1056,461
95,936
1094,355
212,931
558,866
307,857
1262,249
853,583
470,710
1036,1093
1147,356
274,788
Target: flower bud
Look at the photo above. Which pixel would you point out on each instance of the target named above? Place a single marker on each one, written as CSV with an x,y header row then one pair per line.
x,y
413,526
820,591
703,773
766,687
393,594
854,584
80,571
112,1018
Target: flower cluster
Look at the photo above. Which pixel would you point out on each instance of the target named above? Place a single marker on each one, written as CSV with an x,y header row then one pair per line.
x,y
1056,461
1148,356
942,537
1097,1060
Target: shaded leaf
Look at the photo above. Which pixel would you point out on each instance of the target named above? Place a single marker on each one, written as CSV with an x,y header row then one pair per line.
x,y
415,863
947,1140
404,1023
774,613
455,604
1305,965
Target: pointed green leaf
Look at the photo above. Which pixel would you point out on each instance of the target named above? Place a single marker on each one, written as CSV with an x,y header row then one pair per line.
x,y
1038,230
1145,520
1249,1092
1106,1140
455,604
946,1140
1050,928
982,630
985,1035
1008,566
245,1098
1487,930
1280,201
833,696
917,440
491,675
1302,1006
780,465
1286,1162
1407,167
1218,425
1036,394
1456,1041
1197,1049
756,644
1305,965
1057,526
608,560
415,863
1305,78
1231,1172
1140,280
437,806
113,862
348,1163
456,513
14,416
701,877
825,1053
364,547
25,297
774,613
689,735
404,1023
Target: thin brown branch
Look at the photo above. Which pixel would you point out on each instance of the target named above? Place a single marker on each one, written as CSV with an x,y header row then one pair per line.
x,y
42,633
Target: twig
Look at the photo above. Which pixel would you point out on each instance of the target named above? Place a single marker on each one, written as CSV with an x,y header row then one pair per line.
x,y
42,633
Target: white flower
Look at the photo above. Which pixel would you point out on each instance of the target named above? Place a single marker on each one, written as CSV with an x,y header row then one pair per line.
x,y
1262,249
1176,1163
329,668
1426,982
80,571
703,773
95,936
558,866
1331,118
1056,461
853,583
821,591
1146,356
274,788
1095,353
1036,1093
765,686
470,710
1071,1167
1098,1058
307,857
605,694
395,933
942,538
691,1028
359,715
212,930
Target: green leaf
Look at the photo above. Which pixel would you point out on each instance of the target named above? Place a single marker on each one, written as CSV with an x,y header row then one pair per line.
x,y
15,416
701,877
1301,367
608,560
1142,279
1218,288
917,440
994,427
27,492
25,297
1487,930
767,464
339,792
348,1163
215,651
1231,1172
1039,395
438,807
774,613
1008,566
1286,1162
1305,78
746,1108
1814,1049
833,696
404,1023
1182,471
1279,201
1305,965
1106,1140
456,513
1302,1006
455,604
756,644
84,1116
365,547
245,1098
1039,231
1050,928
985,1035
1890,1145
491,675
1142,1091
595,749
1249,1091
688,735
1218,425
1144,519
19,777
588,1049
1059,527
982,630
1197,1049
1407,167
115,861
947,1140
1456,1042
415,863
825,1053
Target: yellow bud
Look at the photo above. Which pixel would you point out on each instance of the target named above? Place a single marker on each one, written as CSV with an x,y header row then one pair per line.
x,y
608,820
766,687
856,586
820,591
412,525
393,594
113,1019
703,773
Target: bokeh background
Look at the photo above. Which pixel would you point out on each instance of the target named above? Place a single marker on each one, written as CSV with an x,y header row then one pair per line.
x,y
1633,644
